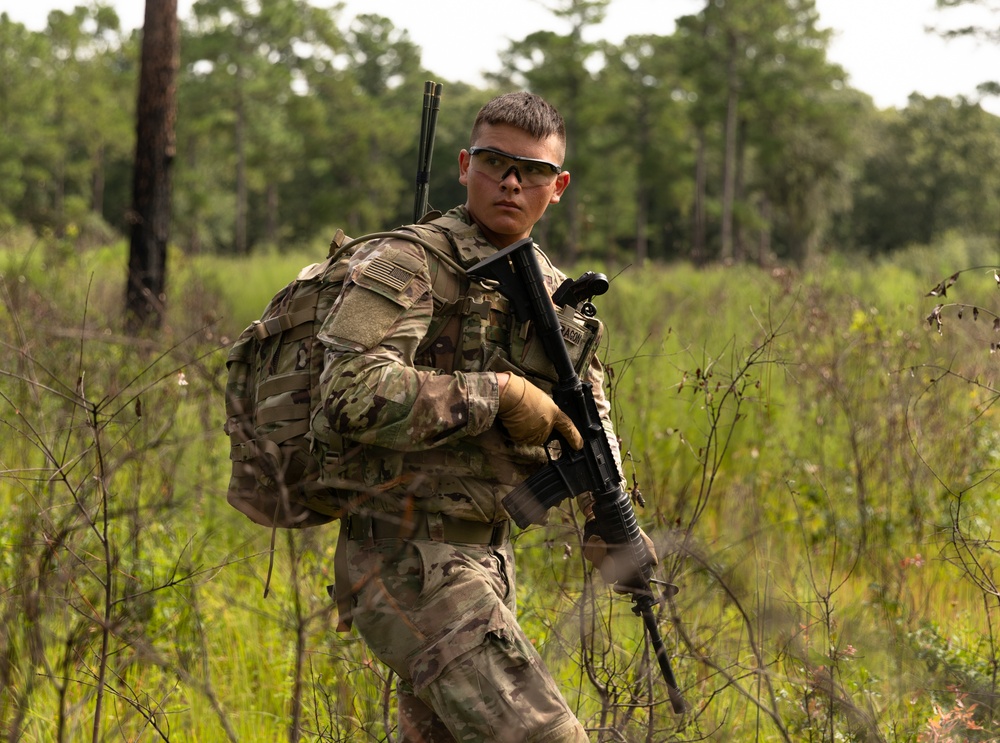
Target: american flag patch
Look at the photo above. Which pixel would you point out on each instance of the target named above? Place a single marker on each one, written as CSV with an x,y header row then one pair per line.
x,y
388,273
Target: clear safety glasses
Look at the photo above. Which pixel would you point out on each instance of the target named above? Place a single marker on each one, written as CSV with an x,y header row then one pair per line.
x,y
528,171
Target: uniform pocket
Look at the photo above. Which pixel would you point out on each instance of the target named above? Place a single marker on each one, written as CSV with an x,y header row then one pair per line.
x,y
486,680
490,631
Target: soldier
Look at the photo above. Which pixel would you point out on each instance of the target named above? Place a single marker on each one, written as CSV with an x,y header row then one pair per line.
x,y
442,409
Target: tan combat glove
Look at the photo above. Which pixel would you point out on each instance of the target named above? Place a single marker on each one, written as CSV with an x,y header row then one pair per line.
x,y
529,415
602,555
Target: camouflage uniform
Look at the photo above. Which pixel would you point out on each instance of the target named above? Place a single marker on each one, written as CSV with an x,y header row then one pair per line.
x,y
410,377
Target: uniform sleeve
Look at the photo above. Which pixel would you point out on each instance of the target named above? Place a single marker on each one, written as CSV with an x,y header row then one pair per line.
x,y
372,392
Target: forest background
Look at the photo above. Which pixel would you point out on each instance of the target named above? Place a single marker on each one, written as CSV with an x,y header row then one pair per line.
x,y
816,459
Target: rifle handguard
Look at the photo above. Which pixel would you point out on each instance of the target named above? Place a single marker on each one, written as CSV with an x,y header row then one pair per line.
x,y
603,555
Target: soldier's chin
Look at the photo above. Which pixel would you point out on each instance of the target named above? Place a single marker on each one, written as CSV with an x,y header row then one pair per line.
x,y
506,231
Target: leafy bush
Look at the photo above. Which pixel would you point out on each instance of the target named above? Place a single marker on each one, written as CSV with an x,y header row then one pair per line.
x,y
814,459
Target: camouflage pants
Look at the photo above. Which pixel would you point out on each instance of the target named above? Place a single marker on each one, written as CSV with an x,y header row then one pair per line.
x,y
442,617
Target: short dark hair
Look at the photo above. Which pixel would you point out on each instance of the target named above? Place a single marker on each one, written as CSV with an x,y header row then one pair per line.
x,y
526,111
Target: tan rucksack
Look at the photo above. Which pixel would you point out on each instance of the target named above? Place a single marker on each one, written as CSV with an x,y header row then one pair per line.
x,y
278,470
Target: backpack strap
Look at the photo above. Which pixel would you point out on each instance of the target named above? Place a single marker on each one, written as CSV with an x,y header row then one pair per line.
x,y
443,253
467,240
463,310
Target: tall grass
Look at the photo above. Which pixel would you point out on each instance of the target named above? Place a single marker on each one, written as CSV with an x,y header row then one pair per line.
x,y
815,459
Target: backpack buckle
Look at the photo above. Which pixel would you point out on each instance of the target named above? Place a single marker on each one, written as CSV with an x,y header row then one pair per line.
x,y
243,452
477,306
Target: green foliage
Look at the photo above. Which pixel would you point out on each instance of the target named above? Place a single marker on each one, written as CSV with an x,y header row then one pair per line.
x,y
260,279
732,137
934,170
815,462
769,107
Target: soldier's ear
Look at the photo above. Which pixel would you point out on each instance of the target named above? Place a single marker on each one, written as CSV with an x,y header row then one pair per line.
x,y
561,184
463,167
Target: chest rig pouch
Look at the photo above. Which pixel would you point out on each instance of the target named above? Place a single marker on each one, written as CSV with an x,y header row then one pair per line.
x,y
582,336
474,328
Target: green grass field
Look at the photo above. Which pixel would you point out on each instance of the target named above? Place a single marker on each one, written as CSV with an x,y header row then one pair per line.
x,y
817,463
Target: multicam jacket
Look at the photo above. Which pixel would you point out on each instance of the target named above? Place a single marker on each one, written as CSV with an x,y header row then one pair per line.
x,y
410,378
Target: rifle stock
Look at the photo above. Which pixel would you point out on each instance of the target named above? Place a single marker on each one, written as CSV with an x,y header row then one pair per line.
x,y
515,272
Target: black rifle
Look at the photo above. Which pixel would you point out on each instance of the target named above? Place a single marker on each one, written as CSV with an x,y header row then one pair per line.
x,y
515,273
428,127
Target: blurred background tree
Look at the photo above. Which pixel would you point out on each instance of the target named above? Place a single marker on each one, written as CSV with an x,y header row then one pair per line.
x,y
731,138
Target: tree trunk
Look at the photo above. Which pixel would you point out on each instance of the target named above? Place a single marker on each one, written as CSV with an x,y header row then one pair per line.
x,y
764,241
272,213
240,235
97,182
738,231
154,152
571,250
698,227
643,135
641,230
729,164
